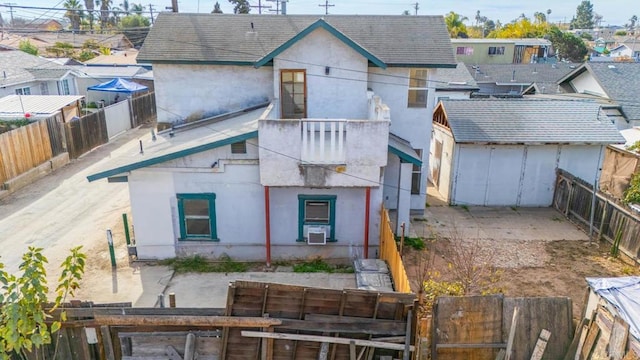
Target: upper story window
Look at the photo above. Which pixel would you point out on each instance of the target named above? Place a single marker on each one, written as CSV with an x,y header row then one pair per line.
x,y
496,50
23,91
239,147
464,50
293,94
418,88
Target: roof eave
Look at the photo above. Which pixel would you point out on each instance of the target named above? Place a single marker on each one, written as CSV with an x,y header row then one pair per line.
x,y
423,65
197,62
320,23
171,156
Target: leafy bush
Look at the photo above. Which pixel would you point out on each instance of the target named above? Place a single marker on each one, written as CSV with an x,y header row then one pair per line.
x,y
632,194
28,47
200,264
620,33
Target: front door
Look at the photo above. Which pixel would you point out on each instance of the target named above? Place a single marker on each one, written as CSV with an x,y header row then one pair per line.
x,y
293,94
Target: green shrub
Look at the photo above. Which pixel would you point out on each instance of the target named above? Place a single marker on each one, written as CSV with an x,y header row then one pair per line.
x,y
318,265
632,194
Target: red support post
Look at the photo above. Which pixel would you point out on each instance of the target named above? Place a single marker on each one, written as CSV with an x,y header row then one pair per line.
x,y
267,225
366,221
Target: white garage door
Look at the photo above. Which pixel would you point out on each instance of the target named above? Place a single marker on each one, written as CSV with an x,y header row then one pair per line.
x,y
515,175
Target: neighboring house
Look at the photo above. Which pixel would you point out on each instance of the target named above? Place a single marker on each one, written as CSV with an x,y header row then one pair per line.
x,y
40,107
41,24
43,40
347,129
505,152
519,79
25,74
454,83
117,58
88,76
620,164
502,51
618,82
627,50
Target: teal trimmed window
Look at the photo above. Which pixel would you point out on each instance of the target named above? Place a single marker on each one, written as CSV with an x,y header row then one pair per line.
x,y
317,210
197,215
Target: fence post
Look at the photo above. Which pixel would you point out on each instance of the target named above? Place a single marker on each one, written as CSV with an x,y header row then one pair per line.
x,y
111,251
126,228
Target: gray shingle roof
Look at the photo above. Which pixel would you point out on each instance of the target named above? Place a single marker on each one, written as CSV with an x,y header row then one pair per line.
x,y
396,40
522,121
542,74
621,81
17,67
457,78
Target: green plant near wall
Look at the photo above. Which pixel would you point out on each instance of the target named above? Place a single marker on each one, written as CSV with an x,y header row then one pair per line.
x,y
23,301
632,194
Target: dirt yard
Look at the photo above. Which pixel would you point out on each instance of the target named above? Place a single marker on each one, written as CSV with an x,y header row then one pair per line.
x,y
536,252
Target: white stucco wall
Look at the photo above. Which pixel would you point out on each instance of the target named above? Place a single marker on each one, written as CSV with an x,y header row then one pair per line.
x,y
280,153
585,82
197,91
504,175
350,220
412,124
239,200
445,162
340,95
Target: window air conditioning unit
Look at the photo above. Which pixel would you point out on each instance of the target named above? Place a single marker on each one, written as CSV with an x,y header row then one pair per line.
x,y
316,236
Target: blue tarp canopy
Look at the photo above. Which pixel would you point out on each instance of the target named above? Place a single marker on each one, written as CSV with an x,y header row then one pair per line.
x,y
624,294
119,85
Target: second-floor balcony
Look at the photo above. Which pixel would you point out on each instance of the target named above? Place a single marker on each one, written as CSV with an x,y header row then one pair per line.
x,y
324,152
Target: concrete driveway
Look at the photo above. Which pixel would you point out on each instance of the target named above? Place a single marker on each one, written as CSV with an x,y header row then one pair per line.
x,y
515,237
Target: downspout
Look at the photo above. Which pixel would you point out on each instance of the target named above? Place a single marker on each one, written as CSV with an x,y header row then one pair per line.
x,y
366,221
267,225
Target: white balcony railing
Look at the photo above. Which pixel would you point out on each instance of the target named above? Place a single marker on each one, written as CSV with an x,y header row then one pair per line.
x,y
323,141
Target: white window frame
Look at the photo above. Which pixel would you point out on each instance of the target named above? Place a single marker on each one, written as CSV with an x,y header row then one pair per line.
x,y
44,88
65,87
23,91
414,86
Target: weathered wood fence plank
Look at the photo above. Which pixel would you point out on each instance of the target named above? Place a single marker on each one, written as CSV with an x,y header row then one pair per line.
x,y
23,149
613,222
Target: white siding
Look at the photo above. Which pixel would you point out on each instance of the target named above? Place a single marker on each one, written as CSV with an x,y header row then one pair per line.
x,y
472,164
197,91
340,95
585,82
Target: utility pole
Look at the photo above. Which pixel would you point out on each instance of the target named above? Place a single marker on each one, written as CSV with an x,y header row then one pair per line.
x,y
260,6
151,12
11,11
277,10
326,6
416,7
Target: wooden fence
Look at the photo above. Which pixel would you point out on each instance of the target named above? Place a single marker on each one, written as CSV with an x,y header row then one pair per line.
x,y
389,253
86,133
56,135
143,109
611,221
478,327
22,149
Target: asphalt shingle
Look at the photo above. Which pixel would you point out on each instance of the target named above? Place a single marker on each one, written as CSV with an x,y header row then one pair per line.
x,y
621,82
523,121
544,75
396,40
457,78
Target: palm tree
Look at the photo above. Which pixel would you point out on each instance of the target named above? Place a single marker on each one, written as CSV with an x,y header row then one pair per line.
x,y
89,5
455,24
105,5
137,8
125,6
73,13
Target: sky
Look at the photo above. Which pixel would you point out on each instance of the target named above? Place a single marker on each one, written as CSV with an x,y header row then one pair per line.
x,y
614,12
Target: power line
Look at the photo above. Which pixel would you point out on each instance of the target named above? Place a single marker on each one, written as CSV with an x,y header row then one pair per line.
x,y
260,6
416,7
326,6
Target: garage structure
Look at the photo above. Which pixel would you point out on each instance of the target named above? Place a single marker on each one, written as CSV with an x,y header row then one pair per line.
x,y
505,152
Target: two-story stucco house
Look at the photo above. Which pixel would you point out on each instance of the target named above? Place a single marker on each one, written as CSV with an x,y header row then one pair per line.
x,y
288,133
